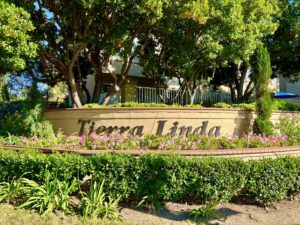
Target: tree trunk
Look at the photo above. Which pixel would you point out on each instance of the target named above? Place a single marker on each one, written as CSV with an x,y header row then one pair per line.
x,y
109,95
98,87
192,94
192,98
74,90
118,80
83,93
238,94
242,73
66,67
86,91
233,94
96,61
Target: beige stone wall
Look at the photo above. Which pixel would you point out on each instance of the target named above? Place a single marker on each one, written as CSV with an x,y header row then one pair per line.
x,y
151,120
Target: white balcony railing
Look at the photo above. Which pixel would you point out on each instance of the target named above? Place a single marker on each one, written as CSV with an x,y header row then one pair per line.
x,y
149,95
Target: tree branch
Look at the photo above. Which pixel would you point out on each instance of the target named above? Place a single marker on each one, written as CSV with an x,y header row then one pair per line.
x,y
55,61
75,56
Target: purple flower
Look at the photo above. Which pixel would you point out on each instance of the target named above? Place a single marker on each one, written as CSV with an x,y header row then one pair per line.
x,y
34,138
94,136
82,139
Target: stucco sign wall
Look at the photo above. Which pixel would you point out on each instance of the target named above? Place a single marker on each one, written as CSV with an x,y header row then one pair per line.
x,y
159,121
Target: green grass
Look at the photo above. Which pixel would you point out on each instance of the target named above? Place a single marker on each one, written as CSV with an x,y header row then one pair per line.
x,y
12,216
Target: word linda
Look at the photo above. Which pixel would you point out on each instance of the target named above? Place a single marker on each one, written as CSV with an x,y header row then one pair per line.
x,y
88,125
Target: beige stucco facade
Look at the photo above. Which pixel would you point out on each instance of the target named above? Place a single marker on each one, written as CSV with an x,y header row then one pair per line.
x,y
156,120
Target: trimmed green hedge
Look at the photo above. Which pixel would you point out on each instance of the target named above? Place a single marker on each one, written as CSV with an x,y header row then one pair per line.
x,y
276,105
164,178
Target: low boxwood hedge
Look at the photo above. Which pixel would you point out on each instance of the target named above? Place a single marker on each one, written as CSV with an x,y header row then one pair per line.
x,y
164,178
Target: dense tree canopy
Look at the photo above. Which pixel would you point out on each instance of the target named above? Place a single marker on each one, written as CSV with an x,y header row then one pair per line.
x,y
245,27
92,29
225,34
193,40
15,42
285,43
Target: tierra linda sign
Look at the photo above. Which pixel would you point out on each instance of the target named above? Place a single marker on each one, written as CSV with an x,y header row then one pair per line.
x,y
156,121
89,126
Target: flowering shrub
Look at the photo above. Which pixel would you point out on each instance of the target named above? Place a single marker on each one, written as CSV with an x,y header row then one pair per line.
x,y
117,141
291,128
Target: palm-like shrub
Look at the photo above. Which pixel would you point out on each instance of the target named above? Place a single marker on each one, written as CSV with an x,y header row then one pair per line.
x,y
204,212
97,204
50,196
10,192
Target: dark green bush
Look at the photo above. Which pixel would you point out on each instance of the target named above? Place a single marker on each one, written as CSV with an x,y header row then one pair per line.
x,y
137,104
223,105
271,180
276,105
284,105
34,165
164,178
28,119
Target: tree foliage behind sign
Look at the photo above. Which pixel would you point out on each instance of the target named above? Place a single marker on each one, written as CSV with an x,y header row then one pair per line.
x,y
225,35
193,40
284,45
15,41
15,44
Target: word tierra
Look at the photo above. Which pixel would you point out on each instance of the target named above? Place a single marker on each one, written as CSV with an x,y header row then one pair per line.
x,y
88,126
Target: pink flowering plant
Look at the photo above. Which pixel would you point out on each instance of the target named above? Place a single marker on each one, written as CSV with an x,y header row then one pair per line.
x,y
114,141
286,133
128,141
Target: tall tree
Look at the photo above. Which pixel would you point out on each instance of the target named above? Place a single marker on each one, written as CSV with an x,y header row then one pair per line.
x,y
240,28
62,31
225,35
80,35
262,75
15,42
173,47
119,36
284,45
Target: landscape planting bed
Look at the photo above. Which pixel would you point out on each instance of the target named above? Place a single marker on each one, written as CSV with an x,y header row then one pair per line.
x,y
240,153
